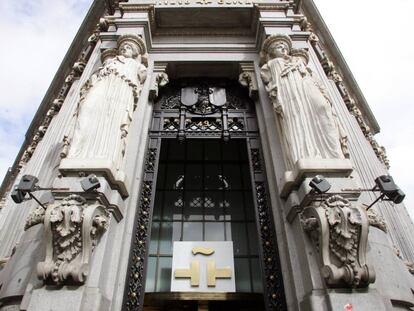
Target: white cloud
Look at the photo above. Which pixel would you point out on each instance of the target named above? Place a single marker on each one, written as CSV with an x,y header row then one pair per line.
x,y
35,36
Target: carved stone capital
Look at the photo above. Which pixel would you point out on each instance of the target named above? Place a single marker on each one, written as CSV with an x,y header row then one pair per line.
x,y
159,79
247,78
73,226
339,231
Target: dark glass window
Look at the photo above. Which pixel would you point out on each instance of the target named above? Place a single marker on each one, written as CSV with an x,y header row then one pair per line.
x,y
204,194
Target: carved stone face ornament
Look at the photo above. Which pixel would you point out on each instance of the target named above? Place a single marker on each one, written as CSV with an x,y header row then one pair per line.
x,y
128,50
279,50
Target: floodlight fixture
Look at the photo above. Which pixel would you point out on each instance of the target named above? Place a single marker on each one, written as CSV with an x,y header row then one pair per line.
x,y
319,184
90,183
389,189
26,186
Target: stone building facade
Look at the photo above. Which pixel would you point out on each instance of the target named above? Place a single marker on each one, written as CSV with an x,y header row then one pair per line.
x,y
203,120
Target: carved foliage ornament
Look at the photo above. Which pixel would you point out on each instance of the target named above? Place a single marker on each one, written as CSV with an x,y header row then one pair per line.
x,y
339,231
73,227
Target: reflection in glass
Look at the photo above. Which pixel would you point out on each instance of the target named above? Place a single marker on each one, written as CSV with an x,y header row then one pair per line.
x,y
241,268
204,194
164,274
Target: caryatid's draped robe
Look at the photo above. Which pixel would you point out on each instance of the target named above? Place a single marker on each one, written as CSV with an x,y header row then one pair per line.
x,y
309,127
105,112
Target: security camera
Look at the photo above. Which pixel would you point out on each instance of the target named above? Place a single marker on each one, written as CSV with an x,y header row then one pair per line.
x,y
319,184
17,195
90,183
387,187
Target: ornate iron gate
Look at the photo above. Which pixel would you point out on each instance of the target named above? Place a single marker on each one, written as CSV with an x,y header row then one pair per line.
x,y
205,109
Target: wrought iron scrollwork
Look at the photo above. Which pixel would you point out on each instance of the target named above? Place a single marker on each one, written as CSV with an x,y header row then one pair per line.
x,y
150,162
136,279
256,162
202,107
274,289
137,262
235,125
171,124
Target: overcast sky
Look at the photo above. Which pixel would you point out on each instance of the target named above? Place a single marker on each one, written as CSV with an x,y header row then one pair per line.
x,y
373,35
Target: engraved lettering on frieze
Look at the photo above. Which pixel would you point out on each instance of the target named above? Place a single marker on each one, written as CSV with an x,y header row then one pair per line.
x,y
339,231
73,226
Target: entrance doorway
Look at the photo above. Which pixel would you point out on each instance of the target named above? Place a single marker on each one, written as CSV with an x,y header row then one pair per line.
x,y
204,193
204,180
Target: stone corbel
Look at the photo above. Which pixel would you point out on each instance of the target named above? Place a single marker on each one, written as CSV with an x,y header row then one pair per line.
x,y
73,226
247,78
159,79
339,231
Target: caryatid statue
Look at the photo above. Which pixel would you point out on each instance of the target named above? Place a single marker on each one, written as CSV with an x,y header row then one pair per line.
x,y
108,100
309,127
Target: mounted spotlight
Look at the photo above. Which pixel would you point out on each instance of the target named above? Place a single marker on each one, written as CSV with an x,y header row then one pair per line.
x,y
90,183
319,184
386,186
26,186
17,195
389,189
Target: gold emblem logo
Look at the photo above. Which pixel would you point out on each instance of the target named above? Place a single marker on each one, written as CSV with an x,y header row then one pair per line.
x,y
213,273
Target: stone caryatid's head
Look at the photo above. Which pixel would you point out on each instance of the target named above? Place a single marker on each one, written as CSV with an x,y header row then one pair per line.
x,y
130,46
279,45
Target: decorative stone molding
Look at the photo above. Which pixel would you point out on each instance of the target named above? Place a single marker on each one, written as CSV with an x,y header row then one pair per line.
x,y
247,78
73,226
339,231
376,220
333,74
159,79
